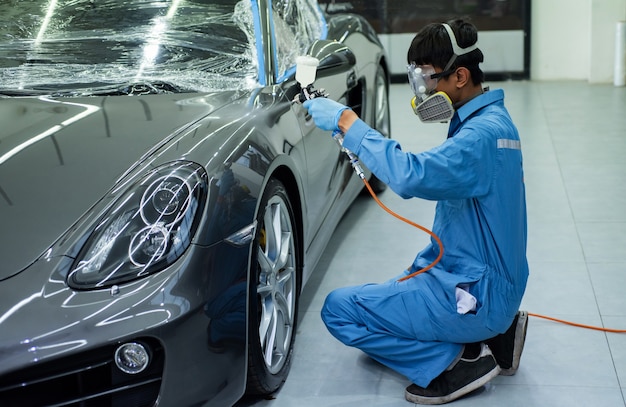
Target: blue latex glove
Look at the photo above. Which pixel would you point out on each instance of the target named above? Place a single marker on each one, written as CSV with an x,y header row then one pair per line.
x,y
325,112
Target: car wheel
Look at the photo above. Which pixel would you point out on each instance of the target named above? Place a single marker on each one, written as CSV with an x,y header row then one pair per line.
x,y
382,118
274,292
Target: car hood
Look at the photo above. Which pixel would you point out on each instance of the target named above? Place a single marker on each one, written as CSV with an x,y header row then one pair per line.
x,y
58,157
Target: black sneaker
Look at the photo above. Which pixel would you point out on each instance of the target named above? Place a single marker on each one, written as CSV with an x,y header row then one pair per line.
x,y
507,347
468,374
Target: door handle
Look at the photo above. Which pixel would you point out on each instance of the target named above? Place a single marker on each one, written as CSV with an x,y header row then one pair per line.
x,y
351,81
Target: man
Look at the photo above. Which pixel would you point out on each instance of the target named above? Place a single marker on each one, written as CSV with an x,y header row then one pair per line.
x,y
456,326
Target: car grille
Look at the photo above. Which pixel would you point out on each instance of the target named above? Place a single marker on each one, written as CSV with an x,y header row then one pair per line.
x,y
87,379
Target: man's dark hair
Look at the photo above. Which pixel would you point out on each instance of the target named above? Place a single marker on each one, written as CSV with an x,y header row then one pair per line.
x,y
432,46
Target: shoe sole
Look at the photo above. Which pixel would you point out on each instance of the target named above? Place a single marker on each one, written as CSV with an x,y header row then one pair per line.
x,y
520,339
476,384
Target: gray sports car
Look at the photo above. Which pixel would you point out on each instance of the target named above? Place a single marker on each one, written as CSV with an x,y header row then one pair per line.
x,y
163,200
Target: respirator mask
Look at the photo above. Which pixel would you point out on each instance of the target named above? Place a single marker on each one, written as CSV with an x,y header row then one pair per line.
x,y
428,105
431,106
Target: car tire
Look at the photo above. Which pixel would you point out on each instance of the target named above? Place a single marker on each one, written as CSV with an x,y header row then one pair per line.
x,y
382,118
275,283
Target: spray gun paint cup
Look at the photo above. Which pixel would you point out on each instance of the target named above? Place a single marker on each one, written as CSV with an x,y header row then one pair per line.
x,y
306,70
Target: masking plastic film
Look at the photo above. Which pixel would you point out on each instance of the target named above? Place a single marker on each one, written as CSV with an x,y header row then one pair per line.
x,y
297,23
87,45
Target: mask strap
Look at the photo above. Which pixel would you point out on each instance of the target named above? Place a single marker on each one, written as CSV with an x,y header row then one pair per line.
x,y
457,51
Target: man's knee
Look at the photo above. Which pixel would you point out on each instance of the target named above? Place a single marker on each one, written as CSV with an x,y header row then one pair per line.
x,y
338,307
330,306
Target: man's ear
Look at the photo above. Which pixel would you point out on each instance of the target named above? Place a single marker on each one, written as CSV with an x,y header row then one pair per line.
x,y
463,77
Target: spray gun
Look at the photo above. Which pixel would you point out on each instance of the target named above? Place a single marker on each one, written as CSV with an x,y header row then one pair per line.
x,y
306,69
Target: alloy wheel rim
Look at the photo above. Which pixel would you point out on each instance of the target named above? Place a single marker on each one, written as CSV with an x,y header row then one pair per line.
x,y
276,287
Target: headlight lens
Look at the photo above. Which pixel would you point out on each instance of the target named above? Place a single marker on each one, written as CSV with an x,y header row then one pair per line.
x,y
148,228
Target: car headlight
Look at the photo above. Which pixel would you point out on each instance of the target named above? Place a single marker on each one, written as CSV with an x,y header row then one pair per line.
x,y
147,229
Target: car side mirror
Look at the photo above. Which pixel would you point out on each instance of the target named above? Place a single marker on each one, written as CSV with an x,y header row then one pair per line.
x,y
333,56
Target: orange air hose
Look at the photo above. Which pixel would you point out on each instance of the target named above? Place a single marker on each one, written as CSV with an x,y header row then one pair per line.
x,y
597,328
403,219
431,265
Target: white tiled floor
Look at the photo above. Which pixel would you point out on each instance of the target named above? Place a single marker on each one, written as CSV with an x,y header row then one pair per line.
x,y
574,145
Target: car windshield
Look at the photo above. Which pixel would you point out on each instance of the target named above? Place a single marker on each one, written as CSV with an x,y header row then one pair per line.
x,y
78,47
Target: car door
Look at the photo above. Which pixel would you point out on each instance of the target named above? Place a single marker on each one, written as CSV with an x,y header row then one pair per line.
x,y
296,25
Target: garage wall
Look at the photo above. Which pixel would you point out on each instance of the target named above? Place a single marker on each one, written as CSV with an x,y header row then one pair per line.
x,y
574,39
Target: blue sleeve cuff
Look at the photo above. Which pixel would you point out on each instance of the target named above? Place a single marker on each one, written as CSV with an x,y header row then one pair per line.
x,y
352,139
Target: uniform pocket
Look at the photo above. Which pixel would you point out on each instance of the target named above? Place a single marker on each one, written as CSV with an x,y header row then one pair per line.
x,y
498,300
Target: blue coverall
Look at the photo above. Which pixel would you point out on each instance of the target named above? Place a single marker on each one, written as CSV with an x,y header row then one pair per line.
x,y
476,176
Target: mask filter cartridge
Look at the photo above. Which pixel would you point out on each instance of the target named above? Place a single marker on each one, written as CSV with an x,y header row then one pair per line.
x,y
435,108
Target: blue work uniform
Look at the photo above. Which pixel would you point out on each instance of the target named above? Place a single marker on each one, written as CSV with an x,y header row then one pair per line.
x,y
476,176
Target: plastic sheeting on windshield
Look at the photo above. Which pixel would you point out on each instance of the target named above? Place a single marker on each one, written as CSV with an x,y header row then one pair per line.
x,y
82,46
76,47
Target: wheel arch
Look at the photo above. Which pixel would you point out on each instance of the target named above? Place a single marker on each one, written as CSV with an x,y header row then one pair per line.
x,y
286,176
